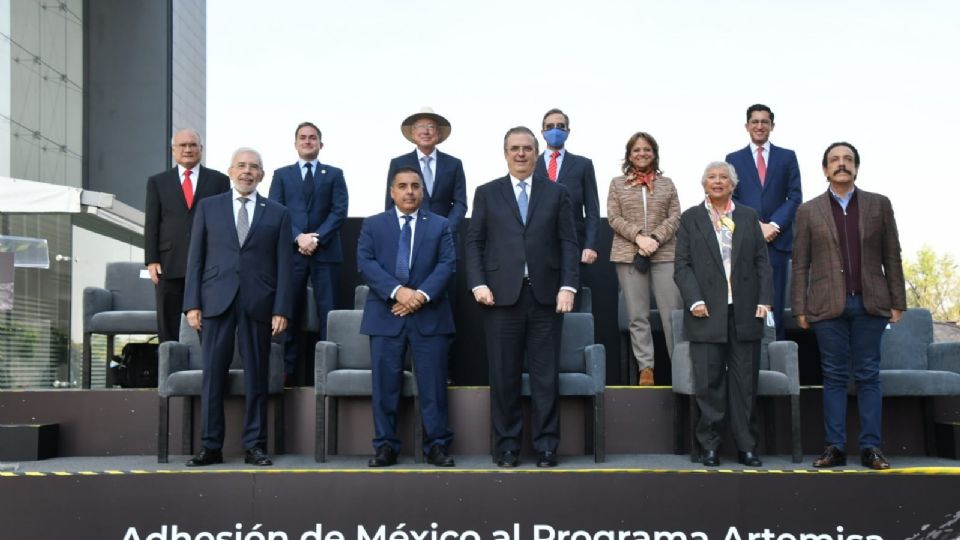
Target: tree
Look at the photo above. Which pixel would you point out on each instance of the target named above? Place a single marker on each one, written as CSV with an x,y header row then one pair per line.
x,y
933,282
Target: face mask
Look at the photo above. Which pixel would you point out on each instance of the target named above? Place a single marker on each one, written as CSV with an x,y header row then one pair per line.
x,y
555,137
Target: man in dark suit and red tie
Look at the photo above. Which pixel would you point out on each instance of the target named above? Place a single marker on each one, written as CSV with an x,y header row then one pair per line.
x,y
406,256
238,292
521,260
171,198
770,184
577,175
316,196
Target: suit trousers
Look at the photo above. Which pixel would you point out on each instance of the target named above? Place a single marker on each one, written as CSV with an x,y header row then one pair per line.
x,y
528,330
850,347
780,263
169,308
637,291
325,279
429,353
217,339
725,377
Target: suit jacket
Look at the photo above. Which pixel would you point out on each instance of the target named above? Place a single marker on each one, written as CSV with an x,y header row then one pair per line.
x,y
577,175
498,243
324,214
777,200
219,269
698,271
818,286
167,221
449,195
432,263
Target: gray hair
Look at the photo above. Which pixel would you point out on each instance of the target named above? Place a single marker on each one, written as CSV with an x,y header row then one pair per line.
x,y
245,150
191,130
521,130
716,165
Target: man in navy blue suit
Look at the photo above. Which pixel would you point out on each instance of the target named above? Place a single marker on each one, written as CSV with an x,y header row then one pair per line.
x,y
770,184
577,175
316,196
521,260
238,292
406,256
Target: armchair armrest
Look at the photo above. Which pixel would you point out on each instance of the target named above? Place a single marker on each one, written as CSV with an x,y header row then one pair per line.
x,y
95,300
595,358
783,358
681,369
944,356
325,360
172,357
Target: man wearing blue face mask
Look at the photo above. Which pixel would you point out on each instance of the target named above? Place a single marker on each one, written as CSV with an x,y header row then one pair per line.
x,y
576,174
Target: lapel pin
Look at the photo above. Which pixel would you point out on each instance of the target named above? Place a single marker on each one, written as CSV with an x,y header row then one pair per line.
x,y
323,171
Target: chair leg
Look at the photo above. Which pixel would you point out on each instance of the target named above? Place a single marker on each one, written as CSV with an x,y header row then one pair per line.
x,y
599,429
769,425
108,377
680,414
694,418
625,358
796,442
87,355
320,439
589,424
929,429
186,426
279,433
163,430
417,432
333,426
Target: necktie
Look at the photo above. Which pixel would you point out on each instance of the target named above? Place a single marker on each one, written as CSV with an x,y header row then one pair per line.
x,y
187,189
403,251
761,165
552,166
243,220
427,174
308,183
523,201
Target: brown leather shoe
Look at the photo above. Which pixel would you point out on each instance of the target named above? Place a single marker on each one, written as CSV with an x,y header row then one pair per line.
x,y
646,377
873,458
831,457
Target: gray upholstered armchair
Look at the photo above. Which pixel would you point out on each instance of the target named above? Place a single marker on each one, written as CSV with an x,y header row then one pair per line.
x,y
180,374
342,368
126,304
779,377
911,364
583,372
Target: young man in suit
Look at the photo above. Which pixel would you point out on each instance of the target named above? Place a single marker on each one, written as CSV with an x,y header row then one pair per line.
x,y
316,196
847,285
171,198
521,260
577,175
238,292
406,256
770,184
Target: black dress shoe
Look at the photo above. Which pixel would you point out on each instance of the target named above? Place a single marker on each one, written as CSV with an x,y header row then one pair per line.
x,y
547,459
385,457
749,459
873,458
710,458
831,457
206,457
256,456
508,458
438,456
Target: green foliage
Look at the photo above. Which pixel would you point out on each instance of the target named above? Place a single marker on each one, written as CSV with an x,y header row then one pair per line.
x,y
933,282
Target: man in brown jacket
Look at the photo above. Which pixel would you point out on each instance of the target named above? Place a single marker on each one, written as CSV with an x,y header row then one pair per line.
x,y
847,285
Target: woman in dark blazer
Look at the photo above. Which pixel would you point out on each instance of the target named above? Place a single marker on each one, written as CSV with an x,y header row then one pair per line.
x,y
724,276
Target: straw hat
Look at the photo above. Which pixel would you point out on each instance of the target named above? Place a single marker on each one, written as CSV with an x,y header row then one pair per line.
x,y
426,112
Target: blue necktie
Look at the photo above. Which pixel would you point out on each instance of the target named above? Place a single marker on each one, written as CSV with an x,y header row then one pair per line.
x,y
308,183
523,202
403,251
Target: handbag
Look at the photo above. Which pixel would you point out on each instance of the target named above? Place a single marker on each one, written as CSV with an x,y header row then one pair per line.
x,y
136,367
641,263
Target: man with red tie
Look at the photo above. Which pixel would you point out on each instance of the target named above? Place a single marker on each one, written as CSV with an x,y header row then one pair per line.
x,y
171,198
770,184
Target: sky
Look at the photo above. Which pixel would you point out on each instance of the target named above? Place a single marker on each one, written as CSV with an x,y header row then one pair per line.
x,y
882,75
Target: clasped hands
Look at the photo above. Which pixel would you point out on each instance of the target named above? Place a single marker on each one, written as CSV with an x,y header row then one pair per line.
x,y
646,245
307,243
407,301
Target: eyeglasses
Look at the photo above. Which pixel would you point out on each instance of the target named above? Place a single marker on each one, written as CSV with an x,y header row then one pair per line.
x,y
516,149
561,126
425,127
186,146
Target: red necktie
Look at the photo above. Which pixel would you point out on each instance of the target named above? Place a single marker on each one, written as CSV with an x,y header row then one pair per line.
x,y
187,188
552,167
761,165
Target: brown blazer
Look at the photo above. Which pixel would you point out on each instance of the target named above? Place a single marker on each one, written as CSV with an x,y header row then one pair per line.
x,y
818,286
625,214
